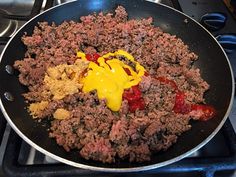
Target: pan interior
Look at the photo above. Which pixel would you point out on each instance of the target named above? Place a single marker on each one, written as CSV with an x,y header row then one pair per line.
x,y
215,69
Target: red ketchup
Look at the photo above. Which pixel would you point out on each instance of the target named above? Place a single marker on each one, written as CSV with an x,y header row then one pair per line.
x,y
92,57
180,105
205,112
134,98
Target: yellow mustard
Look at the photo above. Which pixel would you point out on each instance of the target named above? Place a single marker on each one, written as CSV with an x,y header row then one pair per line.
x,y
110,79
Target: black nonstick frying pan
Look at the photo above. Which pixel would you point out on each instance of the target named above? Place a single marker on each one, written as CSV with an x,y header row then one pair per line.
x,y
213,63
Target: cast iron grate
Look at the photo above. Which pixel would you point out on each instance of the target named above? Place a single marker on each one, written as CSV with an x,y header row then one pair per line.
x,y
201,166
2,126
3,122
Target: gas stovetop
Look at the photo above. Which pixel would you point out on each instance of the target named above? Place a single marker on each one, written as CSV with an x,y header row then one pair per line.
x,y
216,159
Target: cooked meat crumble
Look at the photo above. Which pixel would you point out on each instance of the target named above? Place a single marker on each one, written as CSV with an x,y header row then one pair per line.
x,y
87,124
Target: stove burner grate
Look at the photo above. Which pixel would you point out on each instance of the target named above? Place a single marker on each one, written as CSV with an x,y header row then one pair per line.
x,y
7,26
205,166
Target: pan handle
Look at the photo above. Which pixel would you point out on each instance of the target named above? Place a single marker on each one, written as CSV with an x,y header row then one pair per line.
x,y
227,41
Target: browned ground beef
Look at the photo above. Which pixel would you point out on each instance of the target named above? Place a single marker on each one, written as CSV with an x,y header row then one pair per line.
x,y
93,129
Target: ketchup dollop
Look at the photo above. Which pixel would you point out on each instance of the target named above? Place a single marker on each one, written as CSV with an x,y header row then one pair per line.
x,y
92,57
134,98
205,112
180,104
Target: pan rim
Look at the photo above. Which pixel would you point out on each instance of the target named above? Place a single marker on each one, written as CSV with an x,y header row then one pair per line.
x,y
128,169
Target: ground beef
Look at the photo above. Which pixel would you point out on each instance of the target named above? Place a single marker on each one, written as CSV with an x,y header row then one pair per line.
x,y
93,129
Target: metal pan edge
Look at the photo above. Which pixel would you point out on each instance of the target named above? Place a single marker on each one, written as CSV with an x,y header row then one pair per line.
x,y
132,169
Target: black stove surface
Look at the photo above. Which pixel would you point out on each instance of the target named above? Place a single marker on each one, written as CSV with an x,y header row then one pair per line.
x,y
197,8
215,159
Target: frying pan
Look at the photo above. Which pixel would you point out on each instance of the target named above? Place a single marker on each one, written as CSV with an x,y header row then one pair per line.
x,y
213,63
